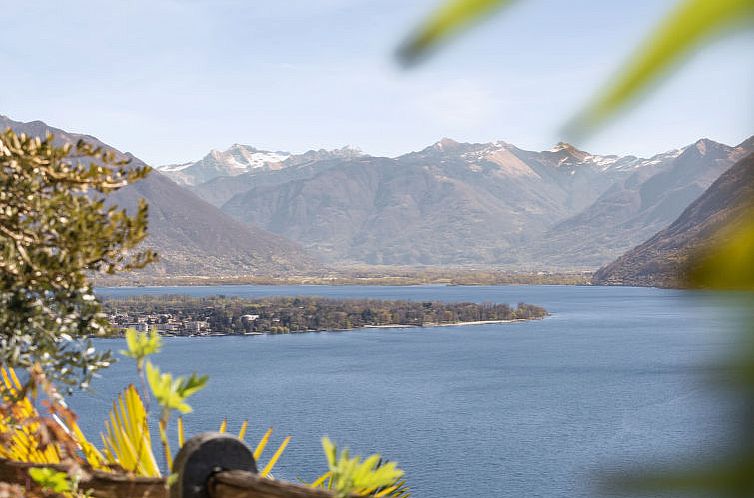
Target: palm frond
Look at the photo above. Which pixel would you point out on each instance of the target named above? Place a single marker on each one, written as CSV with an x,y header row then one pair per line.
x,y
127,441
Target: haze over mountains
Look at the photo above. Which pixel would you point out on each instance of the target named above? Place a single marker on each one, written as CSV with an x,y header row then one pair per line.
x,y
464,204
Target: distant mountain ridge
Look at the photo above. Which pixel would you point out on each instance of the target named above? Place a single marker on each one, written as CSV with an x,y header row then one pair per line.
x,y
485,203
636,207
191,236
661,261
451,203
240,159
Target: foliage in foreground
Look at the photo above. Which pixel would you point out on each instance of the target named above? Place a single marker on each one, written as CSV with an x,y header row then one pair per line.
x,y
29,436
55,228
350,475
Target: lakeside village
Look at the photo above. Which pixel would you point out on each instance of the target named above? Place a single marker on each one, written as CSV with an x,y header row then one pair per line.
x,y
190,316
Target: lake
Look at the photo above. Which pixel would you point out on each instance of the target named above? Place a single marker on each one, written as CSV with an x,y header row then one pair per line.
x,y
611,380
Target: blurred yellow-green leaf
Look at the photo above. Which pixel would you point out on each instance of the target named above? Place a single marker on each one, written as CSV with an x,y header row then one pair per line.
x,y
727,265
449,19
691,22
172,393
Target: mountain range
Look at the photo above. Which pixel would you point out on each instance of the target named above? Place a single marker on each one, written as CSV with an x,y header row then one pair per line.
x,y
240,159
245,211
465,204
663,259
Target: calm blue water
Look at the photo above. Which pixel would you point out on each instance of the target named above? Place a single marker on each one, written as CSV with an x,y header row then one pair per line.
x,y
525,409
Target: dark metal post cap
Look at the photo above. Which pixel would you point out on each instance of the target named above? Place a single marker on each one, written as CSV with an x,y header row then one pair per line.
x,y
202,456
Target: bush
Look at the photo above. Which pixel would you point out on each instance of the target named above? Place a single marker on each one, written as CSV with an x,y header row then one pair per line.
x,y
56,229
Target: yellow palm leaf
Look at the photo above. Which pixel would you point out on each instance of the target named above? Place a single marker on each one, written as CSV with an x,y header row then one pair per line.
x,y
262,444
242,432
21,433
127,439
268,468
321,480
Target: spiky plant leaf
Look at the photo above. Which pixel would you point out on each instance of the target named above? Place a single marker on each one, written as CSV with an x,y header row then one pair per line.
x,y
20,429
350,475
127,439
275,457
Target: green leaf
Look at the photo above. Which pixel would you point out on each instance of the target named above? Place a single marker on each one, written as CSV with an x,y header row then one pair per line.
x,y
171,394
353,476
690,23
685,28
141,345
50,479
330,451
449,19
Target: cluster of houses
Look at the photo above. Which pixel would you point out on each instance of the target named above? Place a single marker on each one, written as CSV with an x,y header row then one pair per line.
x,y
165,323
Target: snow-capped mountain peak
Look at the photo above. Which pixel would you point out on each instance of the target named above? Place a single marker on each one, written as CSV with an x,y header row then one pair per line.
x,y
240,159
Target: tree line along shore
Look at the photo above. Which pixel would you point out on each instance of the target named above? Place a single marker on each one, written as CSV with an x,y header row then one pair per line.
x,y
220,315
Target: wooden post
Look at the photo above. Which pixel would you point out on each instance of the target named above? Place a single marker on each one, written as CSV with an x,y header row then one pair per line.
x,y
204,455
214,465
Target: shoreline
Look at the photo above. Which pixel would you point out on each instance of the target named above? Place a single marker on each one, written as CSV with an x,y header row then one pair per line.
x,y
454,324
216,316
365,327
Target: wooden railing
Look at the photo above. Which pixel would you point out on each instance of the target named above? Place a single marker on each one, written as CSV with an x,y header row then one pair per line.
x,y
210,465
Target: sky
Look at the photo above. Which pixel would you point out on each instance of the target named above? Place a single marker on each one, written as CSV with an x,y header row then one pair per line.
x,y
168,80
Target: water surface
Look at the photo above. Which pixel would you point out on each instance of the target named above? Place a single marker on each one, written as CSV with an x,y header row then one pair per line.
x,y
503,410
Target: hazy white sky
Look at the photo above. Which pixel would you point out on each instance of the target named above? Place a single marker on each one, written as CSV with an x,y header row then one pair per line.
x,y
170,79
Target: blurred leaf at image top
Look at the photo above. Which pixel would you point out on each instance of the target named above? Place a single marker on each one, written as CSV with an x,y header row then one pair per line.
x,y
689,24
451,18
